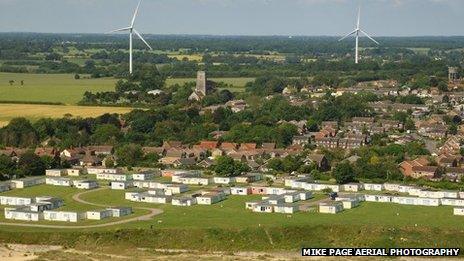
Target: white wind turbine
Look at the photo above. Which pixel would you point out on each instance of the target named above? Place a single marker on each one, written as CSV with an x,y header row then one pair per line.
x,y
132,30
356,32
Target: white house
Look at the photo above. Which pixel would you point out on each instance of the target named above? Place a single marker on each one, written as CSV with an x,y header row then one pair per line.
x,y
55,172
99,214
27,182
352,187
100,170
330,207
286,208
24,214
16,201
184,201
210,198
120,211
85,184
65,216
121,185
373,187
243,191
224,180
57,181
458,211
263,207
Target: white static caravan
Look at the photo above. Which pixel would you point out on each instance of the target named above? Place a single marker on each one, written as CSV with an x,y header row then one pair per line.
x,y
27,182
296,182
243,191
330,207
143,176
15,201
305,195
176,188
416,201
120,211
458,211
251,204
350,203
275,191
184,201
224,180
352,187
392,187
291,197
98,214
55,202
461,194
414,191
160,192
5,186
132,196
23,214
99,170
451,194
405,188
456,202
121,185
64,216
85,184
373,187
263,208
210,198
57,181
55,172
156,199
191,180
274,199
286,208
73,172
378,198
114,177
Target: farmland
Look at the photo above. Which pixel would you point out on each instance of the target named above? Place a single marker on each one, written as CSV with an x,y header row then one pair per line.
x,y
34,111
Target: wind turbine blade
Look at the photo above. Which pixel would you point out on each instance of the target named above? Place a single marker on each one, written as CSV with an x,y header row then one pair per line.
x,y
141,38
359,18
120,30
135,13
372,39
348,35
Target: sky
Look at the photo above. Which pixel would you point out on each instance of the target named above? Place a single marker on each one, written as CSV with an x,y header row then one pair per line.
x,y
236,17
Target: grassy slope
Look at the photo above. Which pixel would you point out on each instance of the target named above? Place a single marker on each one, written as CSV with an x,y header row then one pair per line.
x,y
228,226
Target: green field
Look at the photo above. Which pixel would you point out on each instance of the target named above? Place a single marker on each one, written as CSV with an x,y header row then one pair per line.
x,y
238,83
228,226
61,88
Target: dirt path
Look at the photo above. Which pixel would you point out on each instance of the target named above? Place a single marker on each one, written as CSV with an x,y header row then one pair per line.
x,y
76,197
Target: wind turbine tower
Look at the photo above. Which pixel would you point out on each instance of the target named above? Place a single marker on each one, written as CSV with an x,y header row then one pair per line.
x,y
131,31
356,33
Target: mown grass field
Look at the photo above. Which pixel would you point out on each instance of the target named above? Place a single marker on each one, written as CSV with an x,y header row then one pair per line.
x,y
62,88
34,112
228,226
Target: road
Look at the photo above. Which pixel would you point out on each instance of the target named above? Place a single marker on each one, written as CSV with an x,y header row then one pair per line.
x,y
76,197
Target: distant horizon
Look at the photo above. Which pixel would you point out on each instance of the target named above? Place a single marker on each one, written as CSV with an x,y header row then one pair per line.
x,y
224,35
387,18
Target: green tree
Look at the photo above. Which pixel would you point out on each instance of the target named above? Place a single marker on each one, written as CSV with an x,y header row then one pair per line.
x,y
227,167
106,134
30,164
129,155
343,173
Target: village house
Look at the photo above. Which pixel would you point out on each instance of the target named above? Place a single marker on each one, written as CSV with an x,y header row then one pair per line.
x,y
85,184
160,151
427,172
320,160
302,140
406,167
